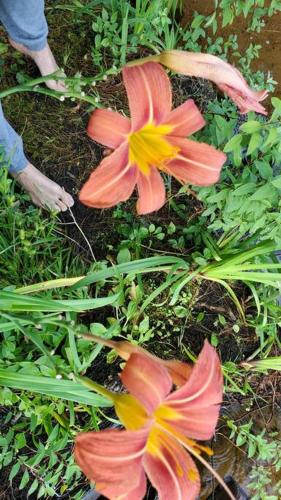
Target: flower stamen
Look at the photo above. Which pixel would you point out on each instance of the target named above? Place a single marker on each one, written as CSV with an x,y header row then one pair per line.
x,y
149,147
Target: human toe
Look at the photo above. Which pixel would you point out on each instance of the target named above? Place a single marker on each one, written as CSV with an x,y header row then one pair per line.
x,y
61,206
67,199
58,86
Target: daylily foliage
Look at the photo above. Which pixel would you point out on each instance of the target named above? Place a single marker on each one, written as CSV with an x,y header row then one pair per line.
x,y
153,141
160,423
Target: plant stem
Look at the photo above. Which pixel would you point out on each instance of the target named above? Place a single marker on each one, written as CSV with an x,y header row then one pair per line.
x,y
94,386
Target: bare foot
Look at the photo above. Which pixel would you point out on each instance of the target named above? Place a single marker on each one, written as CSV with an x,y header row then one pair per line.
x,y
44,192
45,61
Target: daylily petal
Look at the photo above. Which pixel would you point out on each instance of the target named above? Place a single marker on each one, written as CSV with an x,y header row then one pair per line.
x,y
139,492
112,181
212,68
186,119
191,421
151,191
108,127
194,408
148,381
113,460
130,412
178,370
196,163
244,102
149,92
170,468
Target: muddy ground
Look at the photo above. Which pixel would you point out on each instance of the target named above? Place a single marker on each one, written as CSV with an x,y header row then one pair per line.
x,y
269,37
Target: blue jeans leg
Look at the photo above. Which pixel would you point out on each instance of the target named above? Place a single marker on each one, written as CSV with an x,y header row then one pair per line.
x,y
12,154
25,22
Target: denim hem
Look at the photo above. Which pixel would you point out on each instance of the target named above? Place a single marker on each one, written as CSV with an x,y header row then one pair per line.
x,y
17,164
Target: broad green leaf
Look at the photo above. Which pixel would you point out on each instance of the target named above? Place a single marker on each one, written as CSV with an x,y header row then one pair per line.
x,y
276,103
228,16
14,470
276,181
20,440
251,126
241,439
123,256
24,480
233,144
244,189
264,192
264,169
255,142
272,137
33,487
8,458
252,449
3,441
36,459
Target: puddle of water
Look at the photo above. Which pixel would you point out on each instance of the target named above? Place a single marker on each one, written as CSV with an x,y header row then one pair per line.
x,y
232,462
269,37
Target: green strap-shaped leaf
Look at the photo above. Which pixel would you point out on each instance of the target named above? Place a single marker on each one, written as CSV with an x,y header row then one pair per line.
x,y
11,301
150,264
64,389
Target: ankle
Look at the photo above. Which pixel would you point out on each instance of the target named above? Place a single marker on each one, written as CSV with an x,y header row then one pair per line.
x,y
27,51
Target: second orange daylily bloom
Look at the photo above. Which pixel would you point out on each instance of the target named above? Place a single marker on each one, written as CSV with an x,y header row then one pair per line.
x,y
153,141
228,79
161,426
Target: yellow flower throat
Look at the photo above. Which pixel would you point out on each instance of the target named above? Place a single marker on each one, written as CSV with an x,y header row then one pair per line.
x,y
148,147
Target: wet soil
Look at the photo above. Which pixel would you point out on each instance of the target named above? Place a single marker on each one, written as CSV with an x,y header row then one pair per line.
x,y
269,38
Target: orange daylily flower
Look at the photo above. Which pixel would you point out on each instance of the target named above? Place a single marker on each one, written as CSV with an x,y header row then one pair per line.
x,y
154,140
178,370
224,75
160,428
